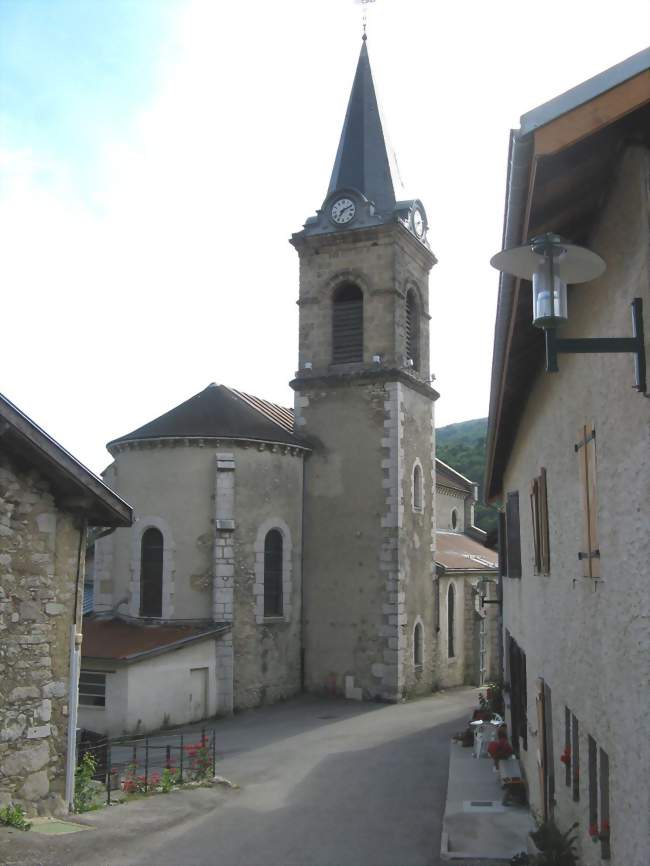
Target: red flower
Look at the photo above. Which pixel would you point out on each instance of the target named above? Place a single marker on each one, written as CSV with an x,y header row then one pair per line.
x,y
565,757
605,828
593,831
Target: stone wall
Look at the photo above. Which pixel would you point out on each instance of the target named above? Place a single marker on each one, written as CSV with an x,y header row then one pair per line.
x,y
38,562
588,639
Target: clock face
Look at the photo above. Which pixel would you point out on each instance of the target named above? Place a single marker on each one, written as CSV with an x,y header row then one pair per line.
x,y
343,211
418,223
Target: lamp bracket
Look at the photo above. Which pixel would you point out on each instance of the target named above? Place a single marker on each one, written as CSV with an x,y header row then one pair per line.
x,y
600,345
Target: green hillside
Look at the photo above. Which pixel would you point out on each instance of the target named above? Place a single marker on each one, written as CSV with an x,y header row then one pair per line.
x,y
463,447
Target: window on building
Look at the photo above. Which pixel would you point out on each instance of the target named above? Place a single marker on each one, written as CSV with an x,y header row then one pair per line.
x,y
539,512
454,518
412,330
519,694
347,325
592,759
417,645
451,615
605,852
566,754
513,541
417,487
273,556
585,450
92,689
151,573
436,604
575,758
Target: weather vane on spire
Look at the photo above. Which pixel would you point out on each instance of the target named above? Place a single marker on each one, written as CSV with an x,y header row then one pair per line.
x,y
364,18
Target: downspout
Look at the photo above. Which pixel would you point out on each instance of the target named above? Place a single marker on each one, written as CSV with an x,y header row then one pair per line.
x,y
73,683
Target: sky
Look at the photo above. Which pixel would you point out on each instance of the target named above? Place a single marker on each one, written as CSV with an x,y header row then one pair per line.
x,y
157,155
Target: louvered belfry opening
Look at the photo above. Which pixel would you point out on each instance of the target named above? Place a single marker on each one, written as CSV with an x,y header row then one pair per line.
x,y
151,573
347,325
412,330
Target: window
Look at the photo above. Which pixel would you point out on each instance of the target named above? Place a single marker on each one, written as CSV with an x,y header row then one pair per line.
x,y
436,604
412,330
566,754
605,852
151,573
513,542
417,487
586,452
92,689
539,511
454,518
575,758
273,555
592,757
599,829
519,698
451,595
417,645
347,325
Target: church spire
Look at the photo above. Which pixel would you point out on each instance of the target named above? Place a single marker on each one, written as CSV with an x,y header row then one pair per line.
x,y
362,159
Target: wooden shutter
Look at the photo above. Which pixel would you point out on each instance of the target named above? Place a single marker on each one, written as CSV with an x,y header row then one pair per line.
x,y
586,451
575,758
544,537
539,514
513,539
503,549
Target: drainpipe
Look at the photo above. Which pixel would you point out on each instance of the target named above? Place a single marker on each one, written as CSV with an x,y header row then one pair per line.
x,y
73,682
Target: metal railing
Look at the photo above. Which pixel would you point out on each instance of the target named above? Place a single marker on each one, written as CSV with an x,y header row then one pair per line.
x,y
137,764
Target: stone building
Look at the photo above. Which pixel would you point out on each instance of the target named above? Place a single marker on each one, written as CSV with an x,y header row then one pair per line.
x,y
569,456
290,549
466,596
47,499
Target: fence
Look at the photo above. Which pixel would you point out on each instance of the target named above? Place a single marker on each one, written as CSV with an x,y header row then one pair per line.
x,y
137,764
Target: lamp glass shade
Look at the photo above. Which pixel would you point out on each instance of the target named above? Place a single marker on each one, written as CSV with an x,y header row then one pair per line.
x,y
549,291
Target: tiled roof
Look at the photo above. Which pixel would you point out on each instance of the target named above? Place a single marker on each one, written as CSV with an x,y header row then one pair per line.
x,y
220,412
457,552
117,640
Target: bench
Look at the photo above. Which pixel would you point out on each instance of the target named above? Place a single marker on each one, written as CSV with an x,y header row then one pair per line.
x,y
512,782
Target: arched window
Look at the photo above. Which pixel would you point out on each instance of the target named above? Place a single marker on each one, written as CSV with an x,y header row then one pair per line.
x,y
454,518
412,330
151,573
451,598
347,325
417,645
273,573
417,487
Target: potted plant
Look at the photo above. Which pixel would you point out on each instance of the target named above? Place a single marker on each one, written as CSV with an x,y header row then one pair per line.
x,y
552,847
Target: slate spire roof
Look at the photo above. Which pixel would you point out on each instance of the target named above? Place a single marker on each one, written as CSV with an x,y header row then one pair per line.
x,y
219,412
362,158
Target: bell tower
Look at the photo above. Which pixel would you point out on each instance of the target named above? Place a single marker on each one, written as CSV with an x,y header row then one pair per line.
x,y
363,400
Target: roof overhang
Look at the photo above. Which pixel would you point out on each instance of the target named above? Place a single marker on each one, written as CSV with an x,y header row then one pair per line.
x,y
75,487
560,164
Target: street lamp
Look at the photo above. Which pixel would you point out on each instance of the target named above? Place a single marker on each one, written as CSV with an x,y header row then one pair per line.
x,y
550,264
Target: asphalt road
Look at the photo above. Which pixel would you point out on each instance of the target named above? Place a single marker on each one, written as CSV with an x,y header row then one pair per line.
x,y
322,783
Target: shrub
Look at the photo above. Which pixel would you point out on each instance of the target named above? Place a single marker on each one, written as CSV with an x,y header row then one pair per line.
x,y
84,788
14,816
200,758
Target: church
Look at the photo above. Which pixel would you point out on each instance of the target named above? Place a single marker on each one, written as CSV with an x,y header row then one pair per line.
x,y
277,550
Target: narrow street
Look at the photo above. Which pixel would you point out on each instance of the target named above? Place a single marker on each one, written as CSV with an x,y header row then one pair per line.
x,y
323,783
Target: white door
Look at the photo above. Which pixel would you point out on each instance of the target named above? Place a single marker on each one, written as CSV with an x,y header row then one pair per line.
x,y
198,694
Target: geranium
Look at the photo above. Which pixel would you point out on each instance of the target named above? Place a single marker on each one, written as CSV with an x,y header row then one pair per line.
x,y
565,757
593,832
